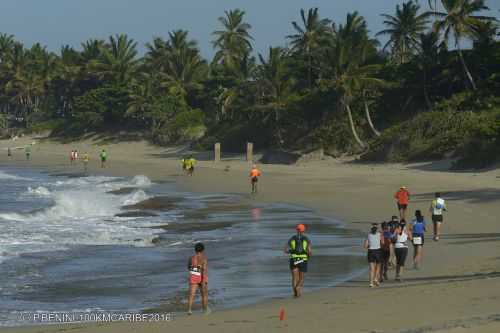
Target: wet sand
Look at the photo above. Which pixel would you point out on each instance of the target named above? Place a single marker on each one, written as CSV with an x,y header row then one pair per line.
x,y
457,289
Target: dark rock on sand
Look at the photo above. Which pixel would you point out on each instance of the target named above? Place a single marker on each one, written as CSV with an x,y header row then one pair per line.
x,y
136,214
279,157
196,226
156,203
123,190
69,174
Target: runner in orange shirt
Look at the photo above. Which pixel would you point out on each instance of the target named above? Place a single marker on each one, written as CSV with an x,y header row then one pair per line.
x,y
402,199
254,178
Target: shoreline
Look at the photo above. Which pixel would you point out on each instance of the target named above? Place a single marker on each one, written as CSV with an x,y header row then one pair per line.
x,y
357,195
354,273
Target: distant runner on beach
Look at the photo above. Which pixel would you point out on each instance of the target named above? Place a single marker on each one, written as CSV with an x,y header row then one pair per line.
x,y
401,238
254,177
418,226
198,277
104,157
393,224
27,151
190,165
402,199
9,152
72,157
86,160
299,249
373,243
387,236
438,206
184,163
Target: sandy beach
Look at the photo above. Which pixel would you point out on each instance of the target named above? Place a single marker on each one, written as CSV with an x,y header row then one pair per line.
x,y
456,290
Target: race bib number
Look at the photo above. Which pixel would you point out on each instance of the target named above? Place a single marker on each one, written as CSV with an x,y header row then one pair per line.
x,y
417,240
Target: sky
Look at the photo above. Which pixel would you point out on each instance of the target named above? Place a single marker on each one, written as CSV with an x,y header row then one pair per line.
x,y
58,22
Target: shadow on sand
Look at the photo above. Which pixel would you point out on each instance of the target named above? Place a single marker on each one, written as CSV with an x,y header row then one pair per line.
x,y
473,196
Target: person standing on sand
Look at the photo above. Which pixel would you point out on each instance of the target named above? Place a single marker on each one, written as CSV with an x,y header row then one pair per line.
x,y
418,230
299,249
254,178
72,157
104,157
198,277
184,163
387,236
401,236
9,152
392,227
76,155
373,244
86,160
190,165
438,206
402,199
27,151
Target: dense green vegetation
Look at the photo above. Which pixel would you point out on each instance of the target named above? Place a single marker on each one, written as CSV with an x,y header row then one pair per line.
x,y
419,96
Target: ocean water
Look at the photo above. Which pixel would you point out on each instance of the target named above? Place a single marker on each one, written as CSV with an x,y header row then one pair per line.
x,y
111,244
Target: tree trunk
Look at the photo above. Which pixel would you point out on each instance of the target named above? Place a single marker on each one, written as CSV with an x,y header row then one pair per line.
x,y
369,118
353,128
466,69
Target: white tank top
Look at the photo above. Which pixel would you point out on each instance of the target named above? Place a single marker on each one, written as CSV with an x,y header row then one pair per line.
x,y
439,202
374,241
401,241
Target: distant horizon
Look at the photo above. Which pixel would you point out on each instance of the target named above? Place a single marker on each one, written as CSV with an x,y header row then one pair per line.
x,y
62,23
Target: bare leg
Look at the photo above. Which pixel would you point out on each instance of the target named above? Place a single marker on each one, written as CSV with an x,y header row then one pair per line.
x,y
300,284
417,256
295,281
204,296
372,273
192,293
377,272
437,233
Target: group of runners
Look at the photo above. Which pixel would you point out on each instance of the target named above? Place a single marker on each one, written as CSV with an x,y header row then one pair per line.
x,y
74,157
388,244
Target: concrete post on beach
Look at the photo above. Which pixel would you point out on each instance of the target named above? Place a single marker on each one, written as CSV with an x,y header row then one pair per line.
x,y
249,151
217,152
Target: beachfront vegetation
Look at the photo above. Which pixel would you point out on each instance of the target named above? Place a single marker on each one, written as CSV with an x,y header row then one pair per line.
x,y
430,91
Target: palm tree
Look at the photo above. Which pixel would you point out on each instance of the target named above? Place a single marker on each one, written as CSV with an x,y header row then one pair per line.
x,y
232,43
309,38
348,73
404,30
458,21
118,60
428,55
6,45
355,33
276,85
179,60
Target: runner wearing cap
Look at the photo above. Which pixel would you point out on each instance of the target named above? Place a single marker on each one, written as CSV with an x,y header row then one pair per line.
x,y
402,199
299,249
